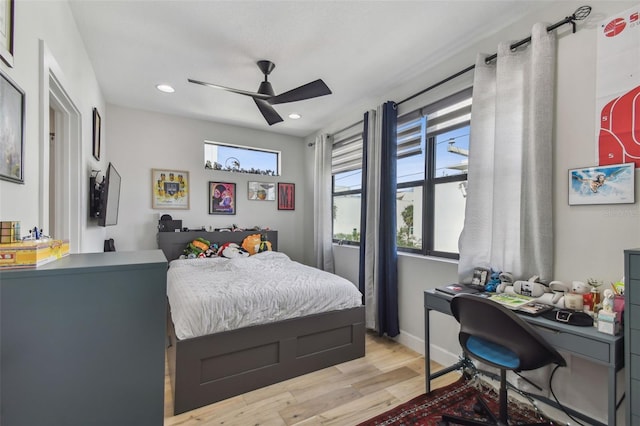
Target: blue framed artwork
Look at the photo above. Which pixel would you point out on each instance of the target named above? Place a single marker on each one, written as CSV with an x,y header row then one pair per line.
x,y
613,184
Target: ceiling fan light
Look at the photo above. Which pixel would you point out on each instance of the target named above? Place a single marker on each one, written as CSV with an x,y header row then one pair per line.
x,y
165,88
295,116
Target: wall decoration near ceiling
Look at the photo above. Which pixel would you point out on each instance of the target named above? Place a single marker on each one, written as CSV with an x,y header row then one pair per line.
x,y
11,130
170,189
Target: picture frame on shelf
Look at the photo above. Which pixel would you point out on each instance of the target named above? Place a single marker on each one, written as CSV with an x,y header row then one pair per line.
x,y
611,184
170,189
97,126
12,110
261,191
222,198
286,196
7,13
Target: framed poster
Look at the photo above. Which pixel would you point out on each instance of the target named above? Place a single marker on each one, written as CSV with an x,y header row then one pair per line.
x,y
286,196
602,184
6,31
222,198
11,130
170,189
97,124
262,191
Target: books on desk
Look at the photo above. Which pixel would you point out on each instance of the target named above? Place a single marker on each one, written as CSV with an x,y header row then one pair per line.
x,y
511,301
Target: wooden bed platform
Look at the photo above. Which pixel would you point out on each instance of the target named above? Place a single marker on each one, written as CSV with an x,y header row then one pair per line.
x,y
211,368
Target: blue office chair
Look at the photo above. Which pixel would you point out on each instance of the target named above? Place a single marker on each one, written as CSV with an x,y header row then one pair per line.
x,y
495,335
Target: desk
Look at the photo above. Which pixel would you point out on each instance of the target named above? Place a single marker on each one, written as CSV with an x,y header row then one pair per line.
x,y
584,342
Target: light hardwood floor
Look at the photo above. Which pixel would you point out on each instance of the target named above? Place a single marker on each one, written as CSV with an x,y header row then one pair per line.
x,y
344,395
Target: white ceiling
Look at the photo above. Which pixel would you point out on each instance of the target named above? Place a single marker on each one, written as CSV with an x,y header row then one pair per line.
x,y
359,49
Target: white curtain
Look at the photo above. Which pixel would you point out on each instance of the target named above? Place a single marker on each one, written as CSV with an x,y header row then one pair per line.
x,y
508,218
369,273
322,213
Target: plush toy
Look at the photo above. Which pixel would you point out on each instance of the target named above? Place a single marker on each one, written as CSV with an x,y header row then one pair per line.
x,y
251,243
494,281
265,245
195,248
232,250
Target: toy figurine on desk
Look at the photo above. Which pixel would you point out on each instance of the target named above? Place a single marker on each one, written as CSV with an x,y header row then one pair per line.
x,y
35,234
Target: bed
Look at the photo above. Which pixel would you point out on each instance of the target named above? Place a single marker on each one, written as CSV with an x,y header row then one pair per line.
x,y
219,360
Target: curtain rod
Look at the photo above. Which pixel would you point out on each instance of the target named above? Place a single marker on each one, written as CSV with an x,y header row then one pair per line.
x,y
581,13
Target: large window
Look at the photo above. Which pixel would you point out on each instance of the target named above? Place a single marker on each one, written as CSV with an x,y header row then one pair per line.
x,y
433,148
236,158
346,168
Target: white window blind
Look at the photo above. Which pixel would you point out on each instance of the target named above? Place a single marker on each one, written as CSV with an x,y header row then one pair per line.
x,y
347,150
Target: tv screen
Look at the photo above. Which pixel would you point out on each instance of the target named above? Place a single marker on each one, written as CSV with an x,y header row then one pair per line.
x,y
109,198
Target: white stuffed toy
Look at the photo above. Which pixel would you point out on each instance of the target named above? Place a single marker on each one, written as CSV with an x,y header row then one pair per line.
x,y
232,250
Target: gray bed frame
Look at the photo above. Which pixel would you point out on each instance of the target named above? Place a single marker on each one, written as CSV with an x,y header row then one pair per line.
x,y
211,368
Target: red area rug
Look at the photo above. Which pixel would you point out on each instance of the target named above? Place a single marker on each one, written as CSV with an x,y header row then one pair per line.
x,y
457,399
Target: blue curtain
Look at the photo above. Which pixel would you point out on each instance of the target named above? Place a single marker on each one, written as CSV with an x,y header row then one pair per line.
x,y
378,277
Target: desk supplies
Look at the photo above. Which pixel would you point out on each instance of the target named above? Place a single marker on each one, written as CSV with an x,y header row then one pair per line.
x,y
534,308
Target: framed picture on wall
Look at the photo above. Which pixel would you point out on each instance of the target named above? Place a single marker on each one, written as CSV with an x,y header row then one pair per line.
x,y
11,130
170,189
6,31
612,184
286,196
97,124
222,198
262,191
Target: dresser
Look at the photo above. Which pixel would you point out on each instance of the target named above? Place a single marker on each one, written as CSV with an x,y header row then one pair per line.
x,y
83,341
632,334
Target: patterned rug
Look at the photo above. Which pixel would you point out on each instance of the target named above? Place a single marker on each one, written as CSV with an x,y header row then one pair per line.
x,y
457,399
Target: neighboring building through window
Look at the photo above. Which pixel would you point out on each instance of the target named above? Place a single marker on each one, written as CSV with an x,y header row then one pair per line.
x,y
242,159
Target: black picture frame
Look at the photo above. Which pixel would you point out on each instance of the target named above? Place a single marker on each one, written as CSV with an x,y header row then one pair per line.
x,y
97,124
7,13
222,198
12,109
286,196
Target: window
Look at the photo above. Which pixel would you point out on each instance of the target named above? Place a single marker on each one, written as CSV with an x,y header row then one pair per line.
x,y
236,158
346,169
433,147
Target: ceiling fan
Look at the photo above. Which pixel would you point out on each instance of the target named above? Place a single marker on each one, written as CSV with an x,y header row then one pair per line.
x,y
265,96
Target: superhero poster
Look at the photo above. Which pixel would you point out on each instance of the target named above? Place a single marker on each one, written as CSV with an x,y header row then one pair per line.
x,y
618,89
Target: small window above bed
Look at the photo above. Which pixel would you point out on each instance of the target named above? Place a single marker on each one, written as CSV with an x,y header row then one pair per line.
x,y
241,159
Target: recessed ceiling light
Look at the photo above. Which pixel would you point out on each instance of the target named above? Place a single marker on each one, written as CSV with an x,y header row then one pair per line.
x,y
165,88
294,116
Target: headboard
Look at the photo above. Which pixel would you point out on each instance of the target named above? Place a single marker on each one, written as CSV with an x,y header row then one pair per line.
x,y
174,243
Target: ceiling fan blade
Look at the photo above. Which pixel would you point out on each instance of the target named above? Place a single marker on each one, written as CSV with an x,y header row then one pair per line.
x,y
229,89
308,91
268,112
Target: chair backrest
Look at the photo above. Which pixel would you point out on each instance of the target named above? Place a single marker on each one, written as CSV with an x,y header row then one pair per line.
x,y
488,320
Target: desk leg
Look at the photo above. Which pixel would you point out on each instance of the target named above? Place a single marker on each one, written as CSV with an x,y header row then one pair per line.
x,y
611,416
427,351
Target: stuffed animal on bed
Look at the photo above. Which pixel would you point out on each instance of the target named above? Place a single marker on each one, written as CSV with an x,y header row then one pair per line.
x,y
232,250
199,248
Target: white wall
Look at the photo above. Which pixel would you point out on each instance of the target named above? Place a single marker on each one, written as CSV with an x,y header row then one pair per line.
x,y
140,141
589,240
53,23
